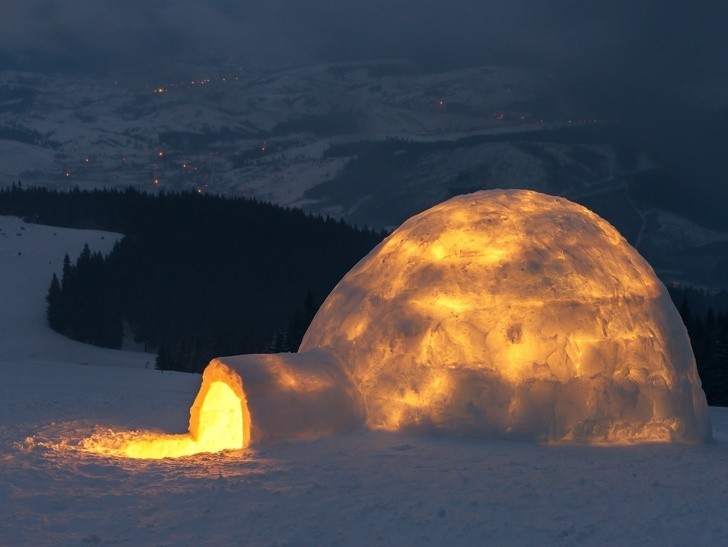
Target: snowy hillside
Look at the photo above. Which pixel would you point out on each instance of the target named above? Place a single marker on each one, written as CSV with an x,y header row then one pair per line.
x,y
360,488
202,132
29,255
372,142
266,134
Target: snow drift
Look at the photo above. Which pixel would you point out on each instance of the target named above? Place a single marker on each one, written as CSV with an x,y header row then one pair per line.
x,y
505,313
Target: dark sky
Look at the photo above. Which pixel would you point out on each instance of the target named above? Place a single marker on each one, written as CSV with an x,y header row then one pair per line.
x,y
678,35
660,66
633,47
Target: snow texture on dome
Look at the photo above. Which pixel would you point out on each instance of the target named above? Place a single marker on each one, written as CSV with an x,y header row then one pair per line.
x,y
513,313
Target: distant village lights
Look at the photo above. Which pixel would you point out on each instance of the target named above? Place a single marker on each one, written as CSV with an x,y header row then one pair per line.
x,y
157,163
162,89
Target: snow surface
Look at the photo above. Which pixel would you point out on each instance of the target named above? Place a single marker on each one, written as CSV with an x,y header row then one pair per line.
x,y
29,255
360,488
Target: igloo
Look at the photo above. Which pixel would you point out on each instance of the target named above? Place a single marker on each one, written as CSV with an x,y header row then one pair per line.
x,y
514,313
504,313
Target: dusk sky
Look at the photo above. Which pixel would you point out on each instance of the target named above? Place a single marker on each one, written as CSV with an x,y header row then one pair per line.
x,y
658,66
665,38
617,53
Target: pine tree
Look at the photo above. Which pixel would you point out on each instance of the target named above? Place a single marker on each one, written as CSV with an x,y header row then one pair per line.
x,y
66,272
295,332
686,313
163,360
300,322
54,312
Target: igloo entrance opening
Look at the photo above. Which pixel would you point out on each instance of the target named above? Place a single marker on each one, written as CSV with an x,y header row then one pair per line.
x,y
218,421
218,425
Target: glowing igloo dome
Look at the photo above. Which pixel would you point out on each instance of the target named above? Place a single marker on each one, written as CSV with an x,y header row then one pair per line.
x,y
505,312
513,313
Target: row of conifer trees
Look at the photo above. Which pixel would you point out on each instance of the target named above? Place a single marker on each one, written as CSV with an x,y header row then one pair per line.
x,y
708,332
196,276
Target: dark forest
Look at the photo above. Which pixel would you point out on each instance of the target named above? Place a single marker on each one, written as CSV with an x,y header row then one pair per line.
x,y
196,276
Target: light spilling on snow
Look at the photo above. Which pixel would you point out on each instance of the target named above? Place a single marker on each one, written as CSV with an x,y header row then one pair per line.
x,y
219,420
287,396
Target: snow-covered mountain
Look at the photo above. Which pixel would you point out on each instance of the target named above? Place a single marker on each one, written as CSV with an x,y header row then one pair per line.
x,y
373,142
226,132
354,489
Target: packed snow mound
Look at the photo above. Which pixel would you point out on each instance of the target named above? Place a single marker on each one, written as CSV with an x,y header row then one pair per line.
x,y
513,313
288,396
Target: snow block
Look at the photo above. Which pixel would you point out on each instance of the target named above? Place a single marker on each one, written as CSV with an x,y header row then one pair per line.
x,y
287,395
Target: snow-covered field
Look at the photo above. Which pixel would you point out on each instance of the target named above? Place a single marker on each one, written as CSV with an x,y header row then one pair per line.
x,y
360,488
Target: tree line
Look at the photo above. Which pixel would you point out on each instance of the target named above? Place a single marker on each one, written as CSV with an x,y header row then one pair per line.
x,y
706,318
195,276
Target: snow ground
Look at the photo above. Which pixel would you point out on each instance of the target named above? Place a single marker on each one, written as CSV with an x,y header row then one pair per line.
x,y
29,255
361,488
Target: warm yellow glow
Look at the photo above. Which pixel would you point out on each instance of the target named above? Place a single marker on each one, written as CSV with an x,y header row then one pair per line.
x,y
355,329
443,303
217,422
290,379
409,403
513,311
439,251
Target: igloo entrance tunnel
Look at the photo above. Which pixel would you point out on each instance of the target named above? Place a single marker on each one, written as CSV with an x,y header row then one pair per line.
x,y
501,313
